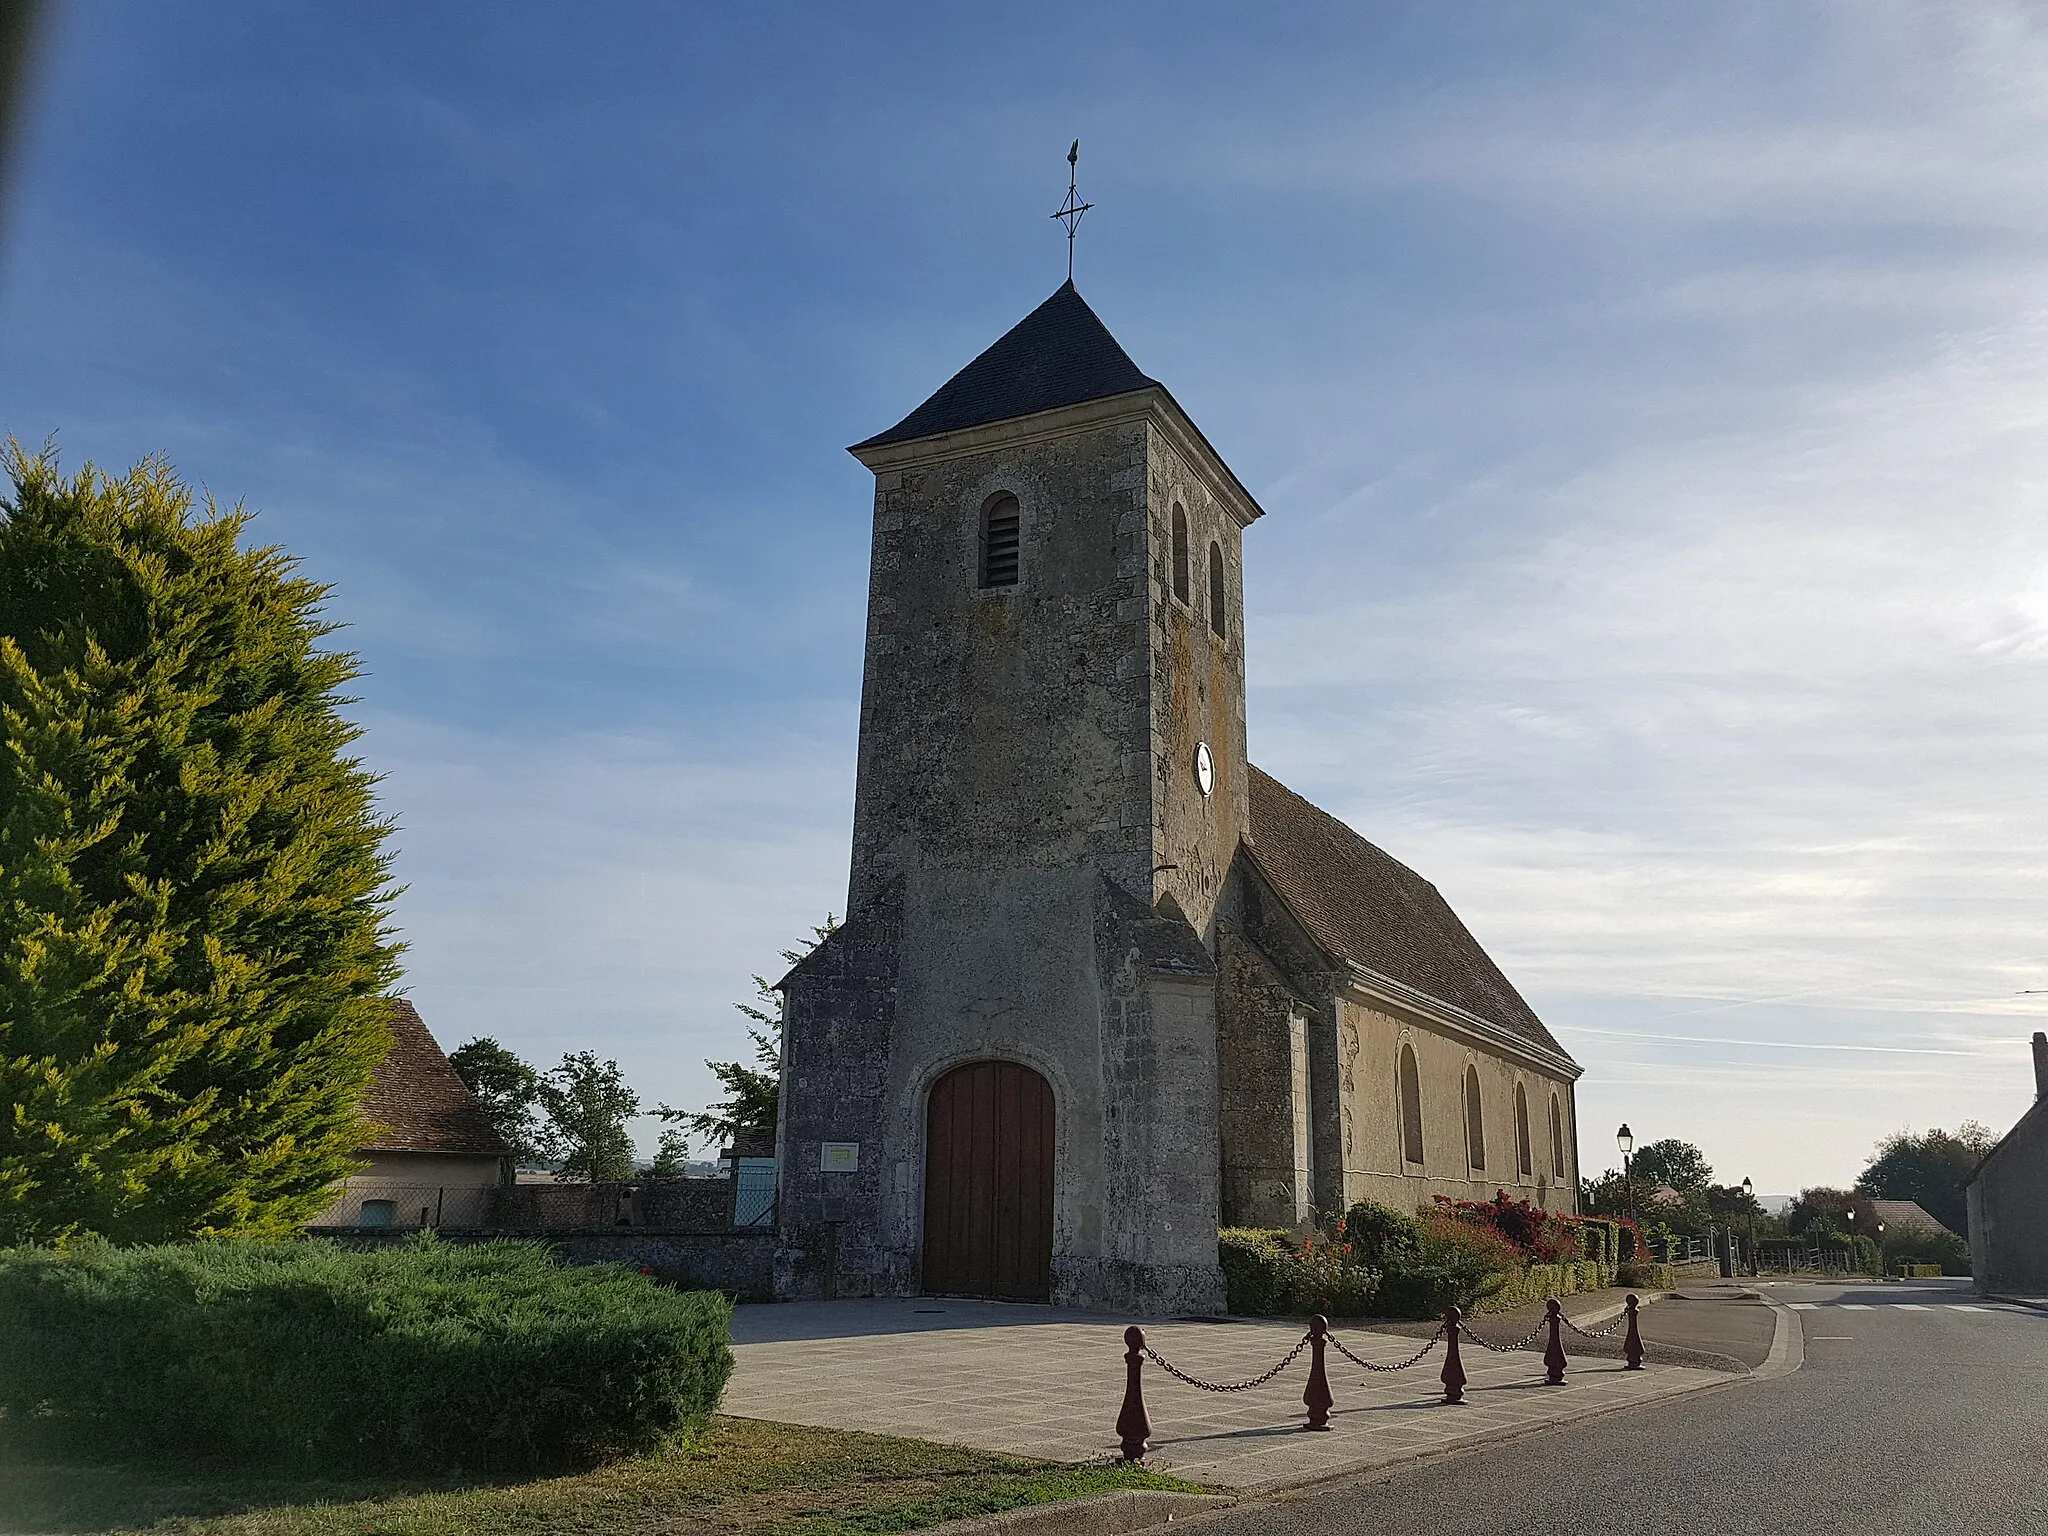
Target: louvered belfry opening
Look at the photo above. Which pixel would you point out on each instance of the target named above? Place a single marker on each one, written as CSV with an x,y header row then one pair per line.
x,y
1180,554
988,1183
999,540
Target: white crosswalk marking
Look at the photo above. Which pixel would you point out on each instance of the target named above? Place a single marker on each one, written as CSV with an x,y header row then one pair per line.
x,y
1854,1306
1965,1307
1805,1306
1910,1306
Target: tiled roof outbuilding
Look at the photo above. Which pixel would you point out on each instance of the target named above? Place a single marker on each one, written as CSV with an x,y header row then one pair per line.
x,y
417,1101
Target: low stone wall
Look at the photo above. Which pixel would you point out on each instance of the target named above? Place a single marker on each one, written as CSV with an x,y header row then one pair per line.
x,y
675,1205
739,1263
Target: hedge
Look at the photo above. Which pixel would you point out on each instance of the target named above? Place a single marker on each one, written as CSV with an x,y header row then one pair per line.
x,y
1267,1274
424,1355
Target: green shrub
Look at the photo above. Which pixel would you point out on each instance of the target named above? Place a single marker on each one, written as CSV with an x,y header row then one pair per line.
x,y
1600,1239
1949,1253
423,1355
1646,1277
1455,1263
1378,1233
1266,1274
1258,1271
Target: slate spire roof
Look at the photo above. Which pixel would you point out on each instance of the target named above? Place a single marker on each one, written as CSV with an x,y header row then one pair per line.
x,y
1364,906
1059,354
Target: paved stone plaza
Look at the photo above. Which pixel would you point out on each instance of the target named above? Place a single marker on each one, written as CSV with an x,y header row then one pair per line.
x,y
1039,1381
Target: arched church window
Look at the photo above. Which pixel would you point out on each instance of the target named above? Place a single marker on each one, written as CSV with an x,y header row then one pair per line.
x,y
1216,598
1180,554
1408,1088
1000,521
1525,1160
1556,1139
1475,1123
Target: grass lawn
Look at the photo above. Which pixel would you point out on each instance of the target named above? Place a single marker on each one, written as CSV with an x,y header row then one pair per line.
x,y
744,1476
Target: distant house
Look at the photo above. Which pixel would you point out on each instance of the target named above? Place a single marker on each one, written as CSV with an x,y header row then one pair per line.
x,y
1903,1216
436,1158
2009,1200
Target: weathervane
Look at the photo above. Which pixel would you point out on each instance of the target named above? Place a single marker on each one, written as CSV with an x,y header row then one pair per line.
x,y
1070,212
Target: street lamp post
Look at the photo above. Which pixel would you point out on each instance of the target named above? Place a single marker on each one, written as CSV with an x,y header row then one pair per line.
x,y
1749,1218
1880,1250
1851,1214
1626,1140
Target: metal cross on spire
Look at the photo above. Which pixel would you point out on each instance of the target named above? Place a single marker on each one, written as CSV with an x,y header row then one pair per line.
x,y
1070,211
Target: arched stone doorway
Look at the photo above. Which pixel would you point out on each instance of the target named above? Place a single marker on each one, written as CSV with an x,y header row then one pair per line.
x,y
988,1183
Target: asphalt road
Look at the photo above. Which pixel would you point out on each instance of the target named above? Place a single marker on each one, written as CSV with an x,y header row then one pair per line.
x,y
1920,1409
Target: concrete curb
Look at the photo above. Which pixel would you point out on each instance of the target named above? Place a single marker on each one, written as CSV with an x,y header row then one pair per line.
x,y
1099,1514
1599,1315
1788,1346
2033,1303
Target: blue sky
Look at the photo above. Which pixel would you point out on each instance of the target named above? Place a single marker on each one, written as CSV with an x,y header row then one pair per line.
x,y
1648,402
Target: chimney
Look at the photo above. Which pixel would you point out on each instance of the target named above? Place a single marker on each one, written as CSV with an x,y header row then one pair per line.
x,y
2040,1065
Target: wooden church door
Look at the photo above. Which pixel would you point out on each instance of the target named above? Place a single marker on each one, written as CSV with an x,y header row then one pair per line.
x,y
988,1183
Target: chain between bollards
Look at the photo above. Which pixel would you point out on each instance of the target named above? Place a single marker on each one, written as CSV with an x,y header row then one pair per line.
x,y
1134,1426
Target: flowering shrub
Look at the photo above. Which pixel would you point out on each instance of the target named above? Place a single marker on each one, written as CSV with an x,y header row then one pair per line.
x,y
1538,1237
1454,1263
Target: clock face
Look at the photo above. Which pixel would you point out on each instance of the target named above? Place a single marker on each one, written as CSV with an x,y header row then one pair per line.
x,y
1205,769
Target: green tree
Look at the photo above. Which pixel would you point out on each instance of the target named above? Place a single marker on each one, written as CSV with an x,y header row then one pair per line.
x,y
671,1155
752,1094
508,1091
587,1103
1613,1195
193,882
1933,1169
1677,1163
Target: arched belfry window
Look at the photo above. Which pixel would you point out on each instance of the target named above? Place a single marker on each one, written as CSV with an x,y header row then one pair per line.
x,y
1475,1123
1525,1159
1216,597
1408,1088
1556,1139
1000,522
1180,554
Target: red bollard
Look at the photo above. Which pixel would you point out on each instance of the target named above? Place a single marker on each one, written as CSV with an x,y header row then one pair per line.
x,y
1453,1376
1316,1395
1632,1346
1132,1427
1553,1357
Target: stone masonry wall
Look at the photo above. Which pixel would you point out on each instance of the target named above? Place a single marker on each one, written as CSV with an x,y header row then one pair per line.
x,y
2008,1205
1007,768
1369,1043
1198,689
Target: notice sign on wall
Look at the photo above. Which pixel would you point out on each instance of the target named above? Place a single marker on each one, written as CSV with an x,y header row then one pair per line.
x,y
839,1157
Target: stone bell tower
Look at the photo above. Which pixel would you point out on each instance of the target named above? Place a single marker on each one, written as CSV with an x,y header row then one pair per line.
x,y
1000,1075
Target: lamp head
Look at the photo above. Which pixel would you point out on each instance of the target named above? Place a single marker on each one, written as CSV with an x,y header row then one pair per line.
x,y
1625,1139
1749,1189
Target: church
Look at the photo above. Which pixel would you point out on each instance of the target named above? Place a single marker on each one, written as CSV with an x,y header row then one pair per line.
x,y
1104,986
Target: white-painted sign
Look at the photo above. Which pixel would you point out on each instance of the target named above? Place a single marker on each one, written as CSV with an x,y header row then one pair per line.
x,y
839,1157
